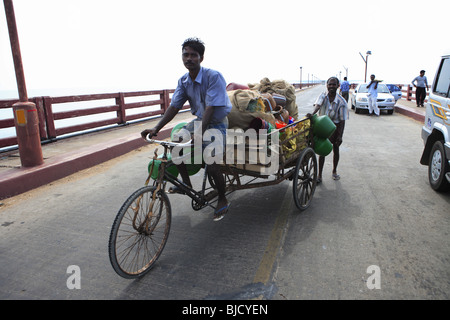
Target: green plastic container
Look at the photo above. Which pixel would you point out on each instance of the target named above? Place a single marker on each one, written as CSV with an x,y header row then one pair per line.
x,y
172,169
323,126
191,168
322,146
177,128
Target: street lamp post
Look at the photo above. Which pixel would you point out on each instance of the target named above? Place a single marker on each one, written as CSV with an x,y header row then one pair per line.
x,y
301,77
346,71
365,61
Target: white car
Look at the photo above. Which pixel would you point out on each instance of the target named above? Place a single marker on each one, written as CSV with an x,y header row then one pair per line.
x,y
396,91
386,100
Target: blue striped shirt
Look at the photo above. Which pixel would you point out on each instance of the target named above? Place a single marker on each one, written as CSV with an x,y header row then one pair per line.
x,y
337,109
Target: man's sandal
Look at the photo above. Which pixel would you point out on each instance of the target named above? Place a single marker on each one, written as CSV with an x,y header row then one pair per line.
x,y
220,213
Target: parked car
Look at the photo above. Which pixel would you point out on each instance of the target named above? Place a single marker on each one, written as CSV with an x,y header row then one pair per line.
x,y
436,129
386,100
395,91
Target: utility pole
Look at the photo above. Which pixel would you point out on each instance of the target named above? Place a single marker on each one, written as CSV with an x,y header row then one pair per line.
x,y
346,71
25,113
365,61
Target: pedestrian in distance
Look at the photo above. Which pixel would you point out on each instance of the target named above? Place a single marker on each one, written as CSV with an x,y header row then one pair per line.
x,y
344,89
205,89
373,96
422,85
332,104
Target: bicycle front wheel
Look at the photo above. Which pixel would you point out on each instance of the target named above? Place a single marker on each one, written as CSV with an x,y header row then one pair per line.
x,y
139,232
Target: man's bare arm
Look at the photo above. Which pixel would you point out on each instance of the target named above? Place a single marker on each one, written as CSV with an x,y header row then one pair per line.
x,y
170,113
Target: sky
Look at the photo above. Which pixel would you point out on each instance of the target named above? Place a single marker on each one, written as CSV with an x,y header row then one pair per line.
x,y
97,46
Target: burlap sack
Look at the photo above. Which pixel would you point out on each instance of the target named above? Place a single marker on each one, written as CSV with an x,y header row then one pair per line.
x,y
280,87
241,115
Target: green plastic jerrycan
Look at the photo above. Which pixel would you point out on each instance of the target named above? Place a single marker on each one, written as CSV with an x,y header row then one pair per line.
x,y
196,164
322,146
177,128
323,126
172,169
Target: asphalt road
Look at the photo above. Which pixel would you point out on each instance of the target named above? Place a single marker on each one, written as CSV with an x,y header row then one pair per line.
x,y
378,233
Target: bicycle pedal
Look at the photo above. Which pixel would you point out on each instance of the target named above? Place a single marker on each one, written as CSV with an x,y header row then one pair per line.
x,y
175,190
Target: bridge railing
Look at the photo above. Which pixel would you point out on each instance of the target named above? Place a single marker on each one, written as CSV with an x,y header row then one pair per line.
x,y
67,115
305,85
409,92
59,116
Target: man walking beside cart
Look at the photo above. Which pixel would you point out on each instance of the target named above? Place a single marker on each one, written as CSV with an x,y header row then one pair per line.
x,y
333,105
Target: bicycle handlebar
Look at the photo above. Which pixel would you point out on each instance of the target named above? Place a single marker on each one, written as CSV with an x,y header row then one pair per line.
x,y
168,143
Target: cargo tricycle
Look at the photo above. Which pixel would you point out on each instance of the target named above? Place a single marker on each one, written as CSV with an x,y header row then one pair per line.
x,y
141,227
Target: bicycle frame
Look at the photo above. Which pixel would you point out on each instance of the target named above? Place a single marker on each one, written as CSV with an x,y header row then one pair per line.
x,y
286,170
200,198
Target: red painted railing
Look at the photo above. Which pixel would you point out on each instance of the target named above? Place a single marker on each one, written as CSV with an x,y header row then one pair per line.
x,y
305,85
409,92
48,114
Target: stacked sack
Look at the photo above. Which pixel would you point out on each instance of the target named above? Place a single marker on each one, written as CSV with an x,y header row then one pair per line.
x,y
268,105
280,88
271,104
247,106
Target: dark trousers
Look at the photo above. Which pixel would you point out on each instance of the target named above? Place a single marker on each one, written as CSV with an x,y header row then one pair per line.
x,y
421,93
345,95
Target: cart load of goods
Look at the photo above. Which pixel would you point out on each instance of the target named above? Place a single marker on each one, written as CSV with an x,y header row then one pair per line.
x,y
271,101
272,105
267,105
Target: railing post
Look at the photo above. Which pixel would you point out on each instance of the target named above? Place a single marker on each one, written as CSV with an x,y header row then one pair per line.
x,y
408,93
41,115
120,101
165,98
50,120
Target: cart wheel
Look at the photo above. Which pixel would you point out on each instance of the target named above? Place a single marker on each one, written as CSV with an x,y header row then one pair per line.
x,y
305,179
139,232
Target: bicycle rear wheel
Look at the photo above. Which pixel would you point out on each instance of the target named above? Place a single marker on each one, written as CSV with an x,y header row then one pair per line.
x,y
139,232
